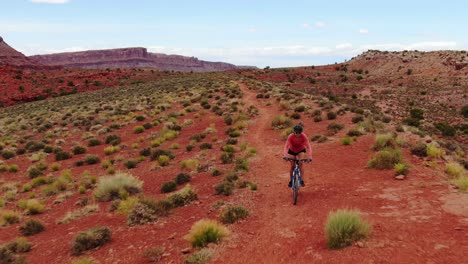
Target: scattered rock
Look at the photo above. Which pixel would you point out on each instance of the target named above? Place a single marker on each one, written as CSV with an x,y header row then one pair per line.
x,y
440,246
185,250
360,244
172,236
400,177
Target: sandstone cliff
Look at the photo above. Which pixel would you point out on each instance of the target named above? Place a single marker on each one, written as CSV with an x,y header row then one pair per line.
x,y
130,58
10,56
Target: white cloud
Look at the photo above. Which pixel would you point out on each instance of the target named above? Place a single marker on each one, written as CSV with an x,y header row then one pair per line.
x,y
320,24
306,25
343,46
363,31
252,29
51,1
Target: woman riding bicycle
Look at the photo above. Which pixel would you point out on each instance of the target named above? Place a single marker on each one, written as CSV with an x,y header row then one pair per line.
x,y
296,145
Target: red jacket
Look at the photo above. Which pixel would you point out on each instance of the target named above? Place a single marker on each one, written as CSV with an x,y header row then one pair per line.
x,y
297,143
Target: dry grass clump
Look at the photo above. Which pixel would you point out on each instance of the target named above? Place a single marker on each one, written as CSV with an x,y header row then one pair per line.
x,y
73,215
343,227
386,159
206,231
232,214
31,227
90,239
117,186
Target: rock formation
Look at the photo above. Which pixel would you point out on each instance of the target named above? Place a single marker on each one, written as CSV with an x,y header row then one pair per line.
x,y
10,56
130,58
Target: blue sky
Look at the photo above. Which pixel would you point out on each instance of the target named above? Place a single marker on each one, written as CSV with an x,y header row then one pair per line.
x,y
260,33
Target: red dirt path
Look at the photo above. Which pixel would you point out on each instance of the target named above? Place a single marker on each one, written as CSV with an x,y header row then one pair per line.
x,y
408,217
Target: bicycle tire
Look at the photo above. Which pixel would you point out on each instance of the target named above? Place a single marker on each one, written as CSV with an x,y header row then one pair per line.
x,y
295,186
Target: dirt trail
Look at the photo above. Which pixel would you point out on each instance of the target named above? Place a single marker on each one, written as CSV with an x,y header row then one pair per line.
x,y
409,223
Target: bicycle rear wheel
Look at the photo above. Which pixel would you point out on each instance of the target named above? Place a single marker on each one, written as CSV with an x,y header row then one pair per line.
x,y
295,194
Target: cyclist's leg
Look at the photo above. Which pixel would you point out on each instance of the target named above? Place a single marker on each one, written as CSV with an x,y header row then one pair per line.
x,y
302,155
292,156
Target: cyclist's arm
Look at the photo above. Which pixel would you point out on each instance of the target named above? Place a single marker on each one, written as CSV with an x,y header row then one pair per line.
x,y
308,147
286,147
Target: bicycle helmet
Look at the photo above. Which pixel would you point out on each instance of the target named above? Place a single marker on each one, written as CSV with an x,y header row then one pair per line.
x,y
297,129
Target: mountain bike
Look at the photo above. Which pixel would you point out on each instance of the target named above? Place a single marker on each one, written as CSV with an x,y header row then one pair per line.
x,y
296,178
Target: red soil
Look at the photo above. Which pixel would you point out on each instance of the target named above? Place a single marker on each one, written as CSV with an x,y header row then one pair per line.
x,y
418,220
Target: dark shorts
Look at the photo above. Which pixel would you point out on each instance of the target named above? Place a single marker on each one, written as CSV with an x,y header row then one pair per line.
x,y
296,153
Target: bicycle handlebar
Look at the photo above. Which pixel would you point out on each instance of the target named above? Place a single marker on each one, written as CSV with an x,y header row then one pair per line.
x,y
300,160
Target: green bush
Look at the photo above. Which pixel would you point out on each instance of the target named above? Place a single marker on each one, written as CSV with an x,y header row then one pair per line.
x,y
91,159
401,168
225,187
420,150
90,239
8,154
205,146
62,155
31,206
93,142
462,183
357,119
34,172
169,186
31,227
232,214
131,163
383,141
113,140
464,111
182,178
79,150
343,227
454,170
331,115
333,128
206,231
386,159
446,129
19,245
116,186
182,197
138,130
281,122
202,256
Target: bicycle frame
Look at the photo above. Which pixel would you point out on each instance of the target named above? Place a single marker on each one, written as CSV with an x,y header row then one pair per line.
x,y
296,178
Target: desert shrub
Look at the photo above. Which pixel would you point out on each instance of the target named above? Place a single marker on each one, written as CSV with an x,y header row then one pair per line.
x,y
146,152
433,151
200,257
231,141
205,146
411,121
417,113
354,132
182,178
317,118
168,187
93,142
333,128
131,163
232,214
83,261
189,147
55,166
281,122
357,119
182,197
113,140
343,227
295,115
159,152
79,150
117,186
420,150
19,245
8,217
34,172
73,215
138,130
163,160
154,254
32,146
227,157
454,169
446,129
383,141
225,187
464,111
8,154
216,172
386,159
386,119
242,164
91,159
111,149
462,183
6,256
31,206
346,141
31,227
401,168
331,115
206,231
62,155
90,239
